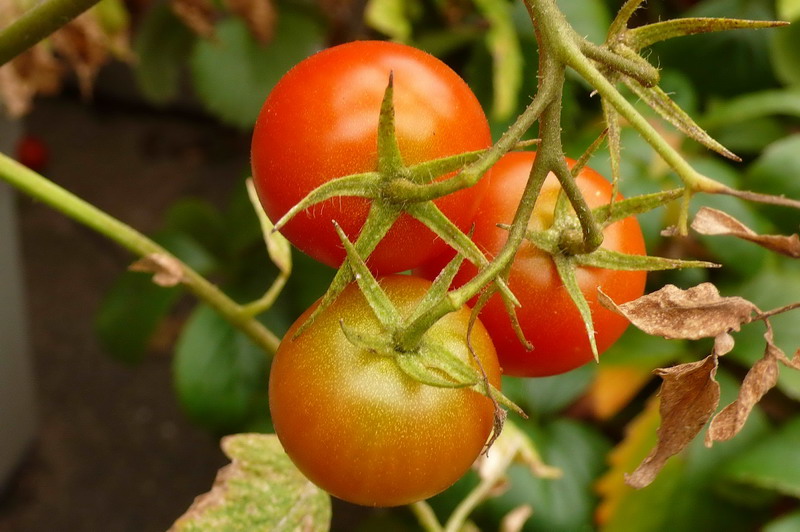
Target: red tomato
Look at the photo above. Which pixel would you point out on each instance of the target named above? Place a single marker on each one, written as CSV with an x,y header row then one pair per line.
x,y
548,316
359,427
32,152
320,122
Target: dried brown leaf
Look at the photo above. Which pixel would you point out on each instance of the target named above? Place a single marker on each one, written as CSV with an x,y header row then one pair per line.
x,y
760,379
166,270
198,15
689,396
699,312
85,46
259,15
714,222
35,71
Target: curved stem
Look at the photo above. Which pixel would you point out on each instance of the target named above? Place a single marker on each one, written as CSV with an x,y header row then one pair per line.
x,y
426,517
79,210
37,23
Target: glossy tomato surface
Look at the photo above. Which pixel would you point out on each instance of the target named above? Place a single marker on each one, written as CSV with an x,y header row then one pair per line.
x,y
361,429
320,122
548,316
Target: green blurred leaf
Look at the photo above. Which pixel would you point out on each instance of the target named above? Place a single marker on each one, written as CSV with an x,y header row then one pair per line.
x,y
590,18
392,17
162,44
750,136
129,315
776,172
507,63
746,65
566,503
787,523
134,306
234,73
218,372
786,53
773,464
753,105
260,490
548,395
199,219
788,9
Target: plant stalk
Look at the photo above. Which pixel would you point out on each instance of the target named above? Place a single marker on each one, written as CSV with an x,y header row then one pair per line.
x,y
37,23
46,191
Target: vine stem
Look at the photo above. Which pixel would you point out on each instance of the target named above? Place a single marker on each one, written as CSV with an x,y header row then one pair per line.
x,y
566,45
426,517
46,191
37,23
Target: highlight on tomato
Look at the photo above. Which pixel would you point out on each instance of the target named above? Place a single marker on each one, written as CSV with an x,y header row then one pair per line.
x,y
359,427
320,122
548,316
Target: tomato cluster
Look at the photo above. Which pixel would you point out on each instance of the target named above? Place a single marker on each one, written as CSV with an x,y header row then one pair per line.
x,y
348,417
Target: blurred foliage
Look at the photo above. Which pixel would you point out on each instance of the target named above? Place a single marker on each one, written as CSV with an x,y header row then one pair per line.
x,y
594,423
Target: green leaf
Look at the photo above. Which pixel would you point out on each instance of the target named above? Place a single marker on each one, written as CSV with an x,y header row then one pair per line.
x,y
130,314
590,18
218,372
198,219
773,464
392,17
234,73
162,45
135,306
566,503
788,9
548,395
260,490
786,53
754,105
507,63
776,172
787,523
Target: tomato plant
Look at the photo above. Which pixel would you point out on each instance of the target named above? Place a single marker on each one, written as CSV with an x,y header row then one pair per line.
x,y
359,427
320,122
548,316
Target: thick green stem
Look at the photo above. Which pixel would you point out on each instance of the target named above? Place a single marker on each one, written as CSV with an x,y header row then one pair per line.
x,y
37,23
79,210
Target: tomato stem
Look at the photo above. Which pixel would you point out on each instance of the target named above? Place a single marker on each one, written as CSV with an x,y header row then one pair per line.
x,y
46,191
37,23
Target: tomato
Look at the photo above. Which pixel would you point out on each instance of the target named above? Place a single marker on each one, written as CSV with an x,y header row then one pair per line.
x,y
359,427
32,152
548,316
320,122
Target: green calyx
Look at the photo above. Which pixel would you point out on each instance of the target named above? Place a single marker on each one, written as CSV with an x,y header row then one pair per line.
x,y
564,242
424,361
394,189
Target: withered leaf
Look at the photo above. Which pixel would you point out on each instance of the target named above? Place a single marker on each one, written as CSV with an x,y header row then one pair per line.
x,y
689,396
761,378
166,270
710,221
259,15
84,45
198,15
699,312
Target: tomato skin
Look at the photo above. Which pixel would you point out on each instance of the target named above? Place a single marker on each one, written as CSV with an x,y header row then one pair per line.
x,y
361,429
548,316
320,122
